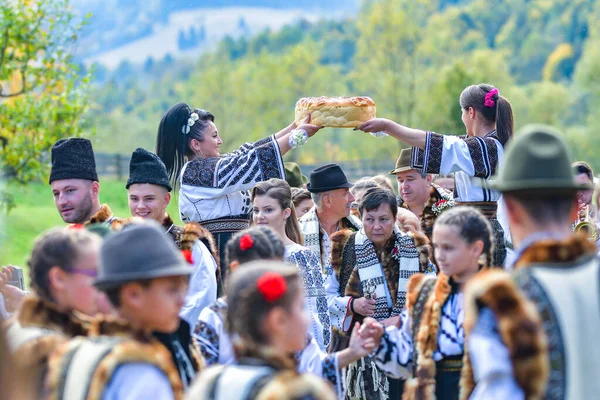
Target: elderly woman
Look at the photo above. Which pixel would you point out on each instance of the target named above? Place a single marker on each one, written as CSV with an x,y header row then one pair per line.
x,y
373,266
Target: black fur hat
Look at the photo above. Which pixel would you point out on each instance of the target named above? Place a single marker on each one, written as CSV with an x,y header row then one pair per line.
x,y
146,167
73,158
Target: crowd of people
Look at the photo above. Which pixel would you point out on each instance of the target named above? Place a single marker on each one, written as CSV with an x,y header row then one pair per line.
x,y
479,279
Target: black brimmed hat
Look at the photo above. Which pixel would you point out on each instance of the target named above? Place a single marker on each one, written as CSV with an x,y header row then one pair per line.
x,y
326,178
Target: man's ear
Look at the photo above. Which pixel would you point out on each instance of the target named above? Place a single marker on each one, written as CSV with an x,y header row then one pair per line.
x,y
429,179
95,187
168,198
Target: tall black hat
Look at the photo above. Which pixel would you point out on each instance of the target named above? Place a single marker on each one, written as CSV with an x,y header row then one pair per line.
x,y
73,158
146,167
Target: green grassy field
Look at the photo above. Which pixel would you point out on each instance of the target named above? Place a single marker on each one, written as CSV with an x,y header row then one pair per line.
x,y
35,212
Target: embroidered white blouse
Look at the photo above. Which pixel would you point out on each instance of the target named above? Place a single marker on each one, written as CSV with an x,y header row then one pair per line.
x,y
314,291
216,347
473,160
217,187
395,354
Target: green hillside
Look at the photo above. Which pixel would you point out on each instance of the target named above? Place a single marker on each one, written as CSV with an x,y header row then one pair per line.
x,y
412,57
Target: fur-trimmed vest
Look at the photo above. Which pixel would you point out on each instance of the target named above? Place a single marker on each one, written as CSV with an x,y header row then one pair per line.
x,y
36,330
548,317
185,238
253,379
425,309
428,217
93,360
104,215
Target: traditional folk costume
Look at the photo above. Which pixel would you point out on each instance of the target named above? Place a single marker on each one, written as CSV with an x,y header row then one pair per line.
x,y
114,362
539,324
255,378
195,241
217,348
439,199
366,271
314,291
317,240
36,330
469,157
215,191
429,344
534,334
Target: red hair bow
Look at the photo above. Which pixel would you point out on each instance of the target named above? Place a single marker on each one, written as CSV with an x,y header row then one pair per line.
x,y
187,254
272,286
246,242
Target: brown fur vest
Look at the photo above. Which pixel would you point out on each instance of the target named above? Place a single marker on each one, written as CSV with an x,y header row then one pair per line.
x,y
519,322
47,328
135,347
422,385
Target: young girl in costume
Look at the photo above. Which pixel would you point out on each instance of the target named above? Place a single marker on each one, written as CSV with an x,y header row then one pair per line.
x,y
268,325
213,188
272,206
62,267
429,344
488,119
262,243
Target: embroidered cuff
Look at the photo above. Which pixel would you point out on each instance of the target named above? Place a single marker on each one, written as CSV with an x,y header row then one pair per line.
x,y
429,160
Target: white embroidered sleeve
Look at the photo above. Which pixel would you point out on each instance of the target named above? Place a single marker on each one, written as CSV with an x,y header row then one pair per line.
x,y
490,361
443,154
339,307
241,170
202,290
318,362
208,332
394,354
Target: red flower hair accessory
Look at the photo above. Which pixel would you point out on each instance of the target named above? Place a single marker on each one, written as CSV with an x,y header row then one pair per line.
x,y
246,242
187,254
271,286
489,98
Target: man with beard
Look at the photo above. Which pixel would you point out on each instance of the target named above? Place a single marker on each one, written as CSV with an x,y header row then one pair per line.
x,y
418,194
74,183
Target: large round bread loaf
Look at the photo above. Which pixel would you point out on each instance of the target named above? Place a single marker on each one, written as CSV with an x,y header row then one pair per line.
x,y
335,112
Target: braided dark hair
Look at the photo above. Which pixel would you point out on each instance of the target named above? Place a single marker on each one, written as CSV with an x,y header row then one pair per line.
x,y
473,226
501,113
267,246
247,309
172,145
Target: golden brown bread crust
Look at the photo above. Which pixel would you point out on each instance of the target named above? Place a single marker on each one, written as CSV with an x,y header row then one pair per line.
x,y
335,112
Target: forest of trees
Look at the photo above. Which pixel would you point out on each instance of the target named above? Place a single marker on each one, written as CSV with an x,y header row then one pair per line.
x,y
412,57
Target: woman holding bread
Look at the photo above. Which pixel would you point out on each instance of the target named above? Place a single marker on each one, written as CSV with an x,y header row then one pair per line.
x,y
488,119
213,188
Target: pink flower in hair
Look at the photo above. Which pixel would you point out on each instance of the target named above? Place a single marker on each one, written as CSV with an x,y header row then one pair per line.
x,y
489,98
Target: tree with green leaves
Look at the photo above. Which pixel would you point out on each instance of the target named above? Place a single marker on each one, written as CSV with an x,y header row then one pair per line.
x,y
42,96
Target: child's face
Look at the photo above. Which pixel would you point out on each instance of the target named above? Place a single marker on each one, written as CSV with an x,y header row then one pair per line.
x,y
157,306
77,291
296,325
454,256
